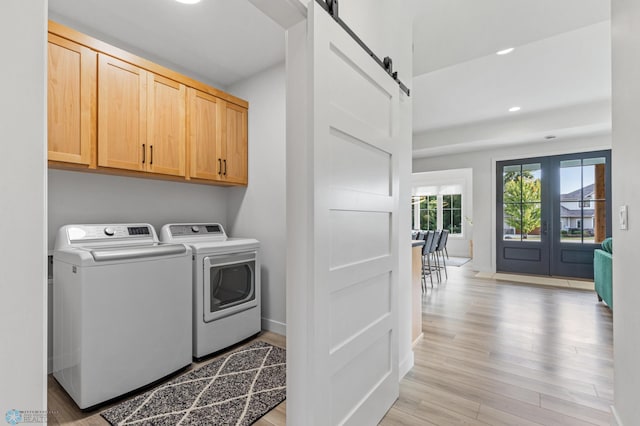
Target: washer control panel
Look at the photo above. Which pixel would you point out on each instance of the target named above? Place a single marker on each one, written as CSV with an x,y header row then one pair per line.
x,y
102,232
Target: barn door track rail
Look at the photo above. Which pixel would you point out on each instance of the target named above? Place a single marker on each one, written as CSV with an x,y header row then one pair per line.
x,y
331,6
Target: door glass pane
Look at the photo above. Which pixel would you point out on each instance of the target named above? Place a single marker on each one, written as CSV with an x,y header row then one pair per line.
x,y
511,222
582,198
230,285
598,230
522,198
531,221
571,222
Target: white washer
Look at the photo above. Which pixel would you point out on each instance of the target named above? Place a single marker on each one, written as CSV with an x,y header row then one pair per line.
x,y
122,310
226,284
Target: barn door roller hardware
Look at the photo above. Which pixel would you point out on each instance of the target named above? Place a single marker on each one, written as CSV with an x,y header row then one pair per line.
x,y
331,6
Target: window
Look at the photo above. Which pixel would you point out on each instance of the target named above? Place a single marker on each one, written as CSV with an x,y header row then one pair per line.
x,y
431,212
425,213
452,213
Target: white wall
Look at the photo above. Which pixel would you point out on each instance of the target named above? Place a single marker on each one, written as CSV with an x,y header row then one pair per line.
x,y
77,197
23,205
483,165
626,190
259,211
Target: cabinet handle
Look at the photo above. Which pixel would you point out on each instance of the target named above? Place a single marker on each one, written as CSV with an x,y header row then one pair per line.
x,y
225,166
151,162
219,166
144,153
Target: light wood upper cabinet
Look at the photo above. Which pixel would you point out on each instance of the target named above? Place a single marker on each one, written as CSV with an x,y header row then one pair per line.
x,y
217,138
204,135
141,119
122,114
114,112
71,101
166,126
235,146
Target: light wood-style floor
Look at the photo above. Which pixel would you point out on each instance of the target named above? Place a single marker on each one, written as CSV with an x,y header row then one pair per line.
x,y
496,353
493,353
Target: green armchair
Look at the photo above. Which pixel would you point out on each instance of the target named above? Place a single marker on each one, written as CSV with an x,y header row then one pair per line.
x,y
602,272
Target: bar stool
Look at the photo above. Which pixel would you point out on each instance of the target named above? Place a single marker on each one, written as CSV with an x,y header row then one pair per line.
x,y
441,250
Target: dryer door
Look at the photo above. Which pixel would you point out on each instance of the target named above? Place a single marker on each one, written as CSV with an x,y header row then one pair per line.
x,y
229,284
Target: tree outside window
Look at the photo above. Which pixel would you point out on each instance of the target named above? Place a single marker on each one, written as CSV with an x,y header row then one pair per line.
x,y
522,201
427,217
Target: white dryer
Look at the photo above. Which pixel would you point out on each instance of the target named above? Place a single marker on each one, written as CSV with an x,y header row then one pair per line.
x,y
122,310
226,284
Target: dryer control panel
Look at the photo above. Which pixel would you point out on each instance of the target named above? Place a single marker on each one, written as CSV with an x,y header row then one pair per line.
x,y
213,231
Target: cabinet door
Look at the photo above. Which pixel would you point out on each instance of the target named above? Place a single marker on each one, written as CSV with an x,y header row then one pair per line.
x,y
71,99
166,130
204,135
122,113
236,146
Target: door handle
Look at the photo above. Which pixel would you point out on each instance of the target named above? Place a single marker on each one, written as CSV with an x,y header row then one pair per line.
x,y
219,166
225,166
545,227
144,153
151,147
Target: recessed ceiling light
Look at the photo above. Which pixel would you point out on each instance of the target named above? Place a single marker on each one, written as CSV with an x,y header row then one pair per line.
x,y
514,109
188,1
505,51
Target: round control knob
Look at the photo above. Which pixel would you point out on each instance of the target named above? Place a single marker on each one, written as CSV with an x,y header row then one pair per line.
x,y
109,231
195,228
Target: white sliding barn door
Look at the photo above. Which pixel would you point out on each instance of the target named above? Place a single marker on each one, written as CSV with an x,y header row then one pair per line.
x,y
351,181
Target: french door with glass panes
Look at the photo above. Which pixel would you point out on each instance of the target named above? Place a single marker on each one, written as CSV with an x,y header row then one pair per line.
x,y
552,212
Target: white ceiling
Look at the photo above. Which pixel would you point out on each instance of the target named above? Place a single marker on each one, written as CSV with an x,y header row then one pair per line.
x,y
562,58
562,54
218,41
570,68
448,32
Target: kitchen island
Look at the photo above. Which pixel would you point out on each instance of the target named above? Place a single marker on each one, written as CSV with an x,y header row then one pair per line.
x,y
416,290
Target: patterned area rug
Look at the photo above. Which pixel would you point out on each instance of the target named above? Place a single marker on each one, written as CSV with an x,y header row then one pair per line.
x,y
236,389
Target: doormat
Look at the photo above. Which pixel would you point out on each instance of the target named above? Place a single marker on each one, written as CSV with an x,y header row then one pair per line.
x,y
236,389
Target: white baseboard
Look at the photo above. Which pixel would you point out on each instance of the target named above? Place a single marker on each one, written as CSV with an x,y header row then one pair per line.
x,y
274,326
406,365
616,418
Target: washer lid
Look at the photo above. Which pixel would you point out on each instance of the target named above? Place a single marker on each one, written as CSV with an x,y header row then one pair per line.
x,y
103,254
